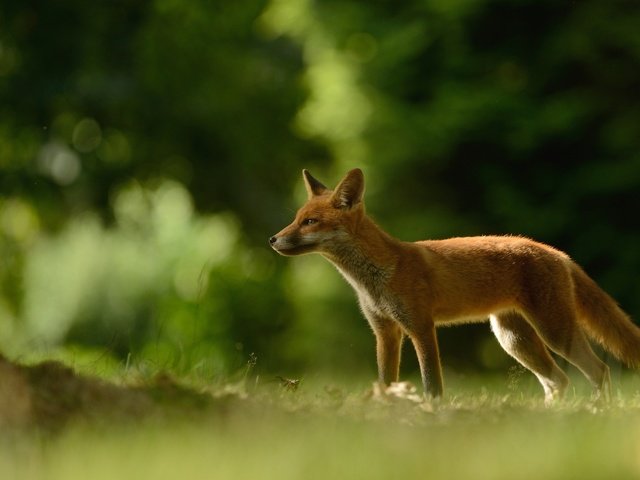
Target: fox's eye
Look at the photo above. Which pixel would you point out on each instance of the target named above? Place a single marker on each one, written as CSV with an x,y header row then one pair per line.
x,y
309,221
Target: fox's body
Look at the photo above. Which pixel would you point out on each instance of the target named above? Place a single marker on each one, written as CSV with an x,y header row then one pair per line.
x,y
535,296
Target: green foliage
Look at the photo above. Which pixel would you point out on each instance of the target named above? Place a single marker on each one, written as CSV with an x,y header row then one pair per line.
x,y
148,149
161,283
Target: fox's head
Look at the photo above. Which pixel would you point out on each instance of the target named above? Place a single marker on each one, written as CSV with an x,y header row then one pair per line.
x,y
327,220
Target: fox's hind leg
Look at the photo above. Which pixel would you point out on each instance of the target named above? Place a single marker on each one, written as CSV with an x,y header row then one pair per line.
x,y
560,331
521,341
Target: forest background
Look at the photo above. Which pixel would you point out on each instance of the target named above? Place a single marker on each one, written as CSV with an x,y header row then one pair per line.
x,y
149,148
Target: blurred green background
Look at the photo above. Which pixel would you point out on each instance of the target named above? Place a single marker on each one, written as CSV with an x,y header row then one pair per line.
x,y
148,149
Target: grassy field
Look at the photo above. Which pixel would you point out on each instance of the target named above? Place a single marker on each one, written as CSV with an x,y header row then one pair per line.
x,y
483,429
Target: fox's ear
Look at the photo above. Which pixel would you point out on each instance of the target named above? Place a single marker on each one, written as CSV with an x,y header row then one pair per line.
x,y
314,187
350,190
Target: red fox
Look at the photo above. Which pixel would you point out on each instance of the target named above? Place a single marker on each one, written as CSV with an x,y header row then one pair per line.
x,y
535,297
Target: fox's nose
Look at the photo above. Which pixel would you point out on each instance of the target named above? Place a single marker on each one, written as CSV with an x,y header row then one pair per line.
x,y
273,240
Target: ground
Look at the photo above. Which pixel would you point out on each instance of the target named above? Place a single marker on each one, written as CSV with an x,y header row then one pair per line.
x,y
58,424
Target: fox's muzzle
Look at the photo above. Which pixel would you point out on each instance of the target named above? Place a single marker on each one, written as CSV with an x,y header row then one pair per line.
x,y
280,244
289,245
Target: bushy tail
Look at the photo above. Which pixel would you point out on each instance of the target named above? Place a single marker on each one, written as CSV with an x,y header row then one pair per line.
x,y
604,320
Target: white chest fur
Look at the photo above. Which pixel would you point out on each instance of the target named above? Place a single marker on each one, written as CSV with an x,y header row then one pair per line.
x,y
371,286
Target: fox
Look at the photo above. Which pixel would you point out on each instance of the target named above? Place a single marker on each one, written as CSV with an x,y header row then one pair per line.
x,y
535,297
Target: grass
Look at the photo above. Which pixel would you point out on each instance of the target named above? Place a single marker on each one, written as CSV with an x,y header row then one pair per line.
x,y
499,430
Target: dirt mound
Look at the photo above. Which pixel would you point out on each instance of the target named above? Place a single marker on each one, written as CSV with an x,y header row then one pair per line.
x,y
50,394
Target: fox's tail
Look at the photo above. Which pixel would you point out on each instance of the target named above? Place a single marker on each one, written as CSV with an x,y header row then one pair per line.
x,y
604,320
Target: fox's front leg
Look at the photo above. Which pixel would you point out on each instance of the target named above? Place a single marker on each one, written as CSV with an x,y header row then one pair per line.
x,y
388,348
426,344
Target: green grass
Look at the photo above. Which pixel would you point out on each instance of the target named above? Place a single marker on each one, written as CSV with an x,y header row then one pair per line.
x,y
492,432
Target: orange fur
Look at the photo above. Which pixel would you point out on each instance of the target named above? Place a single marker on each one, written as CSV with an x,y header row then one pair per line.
x,y
535,296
